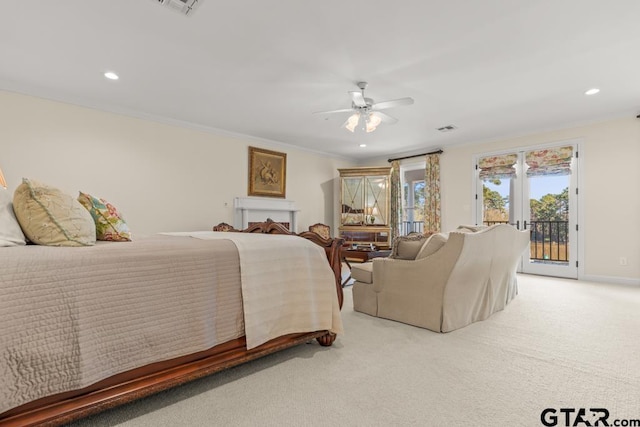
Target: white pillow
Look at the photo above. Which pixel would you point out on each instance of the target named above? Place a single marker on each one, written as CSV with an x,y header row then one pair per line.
x,y
10,231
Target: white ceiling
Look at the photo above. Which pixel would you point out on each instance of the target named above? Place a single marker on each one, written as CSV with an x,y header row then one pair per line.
x,y
493,68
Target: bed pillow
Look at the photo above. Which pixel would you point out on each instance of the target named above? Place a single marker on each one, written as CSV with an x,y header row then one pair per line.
x,y
10,232
50,217
407,247
432,245
109,223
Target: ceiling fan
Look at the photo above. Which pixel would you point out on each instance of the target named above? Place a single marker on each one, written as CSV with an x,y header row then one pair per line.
x,y
366,112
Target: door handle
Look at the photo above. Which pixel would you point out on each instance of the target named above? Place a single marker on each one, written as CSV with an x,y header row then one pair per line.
x,y
525,225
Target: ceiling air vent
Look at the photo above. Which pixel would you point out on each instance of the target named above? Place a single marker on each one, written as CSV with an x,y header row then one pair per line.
x,y
447,128
183,6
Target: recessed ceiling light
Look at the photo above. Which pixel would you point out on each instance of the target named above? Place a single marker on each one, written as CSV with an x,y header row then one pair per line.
x,y
111,75
592,91
363,145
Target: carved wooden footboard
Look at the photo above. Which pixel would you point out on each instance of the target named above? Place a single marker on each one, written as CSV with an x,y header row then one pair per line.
x,y
150,379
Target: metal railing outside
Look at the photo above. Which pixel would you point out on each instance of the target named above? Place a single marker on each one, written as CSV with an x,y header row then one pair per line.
x,y
495,222
549,240
407,227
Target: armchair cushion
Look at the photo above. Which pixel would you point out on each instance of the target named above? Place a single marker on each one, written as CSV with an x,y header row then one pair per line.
x,y
431,246
407,247
362,272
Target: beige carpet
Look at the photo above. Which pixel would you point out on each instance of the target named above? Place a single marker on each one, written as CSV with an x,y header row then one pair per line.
x,y
559,344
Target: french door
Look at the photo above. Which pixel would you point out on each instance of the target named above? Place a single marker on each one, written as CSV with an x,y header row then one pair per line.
x,y
534,190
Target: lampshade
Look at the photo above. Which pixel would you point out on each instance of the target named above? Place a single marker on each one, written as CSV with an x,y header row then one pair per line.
x,y
3,183
369,124
372,122
352,122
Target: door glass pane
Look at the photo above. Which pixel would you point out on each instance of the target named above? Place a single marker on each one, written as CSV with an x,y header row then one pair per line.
x,y
496,201
549,214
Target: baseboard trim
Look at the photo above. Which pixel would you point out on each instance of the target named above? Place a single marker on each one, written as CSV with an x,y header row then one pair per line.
x,y
611,279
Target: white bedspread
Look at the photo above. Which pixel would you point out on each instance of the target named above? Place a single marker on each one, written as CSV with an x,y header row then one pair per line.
x,y
287,285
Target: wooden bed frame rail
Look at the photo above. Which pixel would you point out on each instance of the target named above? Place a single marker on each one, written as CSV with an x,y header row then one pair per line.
x,y
147,380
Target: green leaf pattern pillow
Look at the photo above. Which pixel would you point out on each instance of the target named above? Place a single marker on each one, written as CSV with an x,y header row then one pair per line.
x,y
109,223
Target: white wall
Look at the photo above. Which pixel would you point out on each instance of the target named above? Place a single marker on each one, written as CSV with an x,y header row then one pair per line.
x,y
610,178
161,177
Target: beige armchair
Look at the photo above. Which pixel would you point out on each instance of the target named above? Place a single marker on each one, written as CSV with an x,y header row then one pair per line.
x,y
455,279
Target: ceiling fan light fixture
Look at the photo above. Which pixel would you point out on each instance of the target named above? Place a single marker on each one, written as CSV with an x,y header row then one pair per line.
x,y
365,112
352,122
372,122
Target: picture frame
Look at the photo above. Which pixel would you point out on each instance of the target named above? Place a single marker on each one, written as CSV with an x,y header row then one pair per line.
x,y
267,173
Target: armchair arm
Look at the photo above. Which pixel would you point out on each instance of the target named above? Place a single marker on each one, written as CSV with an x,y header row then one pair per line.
x,y
427,275
412,291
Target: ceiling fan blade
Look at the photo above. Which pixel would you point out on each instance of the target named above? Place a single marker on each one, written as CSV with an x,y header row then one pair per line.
x,y
385,117
358,99
344,110
393,103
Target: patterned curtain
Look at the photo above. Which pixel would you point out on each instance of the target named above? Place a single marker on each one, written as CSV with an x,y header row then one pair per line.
x,y
432,194
396,199
498,167
553,161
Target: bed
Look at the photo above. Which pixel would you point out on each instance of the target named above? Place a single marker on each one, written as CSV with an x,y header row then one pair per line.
x,y
119,321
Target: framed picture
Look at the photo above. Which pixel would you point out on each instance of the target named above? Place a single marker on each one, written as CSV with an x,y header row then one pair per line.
x,y
267,173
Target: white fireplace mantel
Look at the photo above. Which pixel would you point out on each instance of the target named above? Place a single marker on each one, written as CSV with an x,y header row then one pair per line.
x,y
258,209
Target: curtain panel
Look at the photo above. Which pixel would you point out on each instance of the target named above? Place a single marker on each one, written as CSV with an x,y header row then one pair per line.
x,y
432,194
396,200
552,161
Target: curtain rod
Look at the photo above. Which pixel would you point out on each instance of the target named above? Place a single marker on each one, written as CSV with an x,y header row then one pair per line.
x,y
416,155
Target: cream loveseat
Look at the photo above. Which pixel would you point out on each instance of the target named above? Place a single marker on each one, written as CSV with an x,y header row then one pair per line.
x,y
455,279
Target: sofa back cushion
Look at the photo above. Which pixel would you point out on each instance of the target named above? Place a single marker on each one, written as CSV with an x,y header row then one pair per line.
x,y
407,247
432,245
470,228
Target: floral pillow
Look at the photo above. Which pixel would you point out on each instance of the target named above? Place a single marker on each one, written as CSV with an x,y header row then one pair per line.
x,y
109,223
